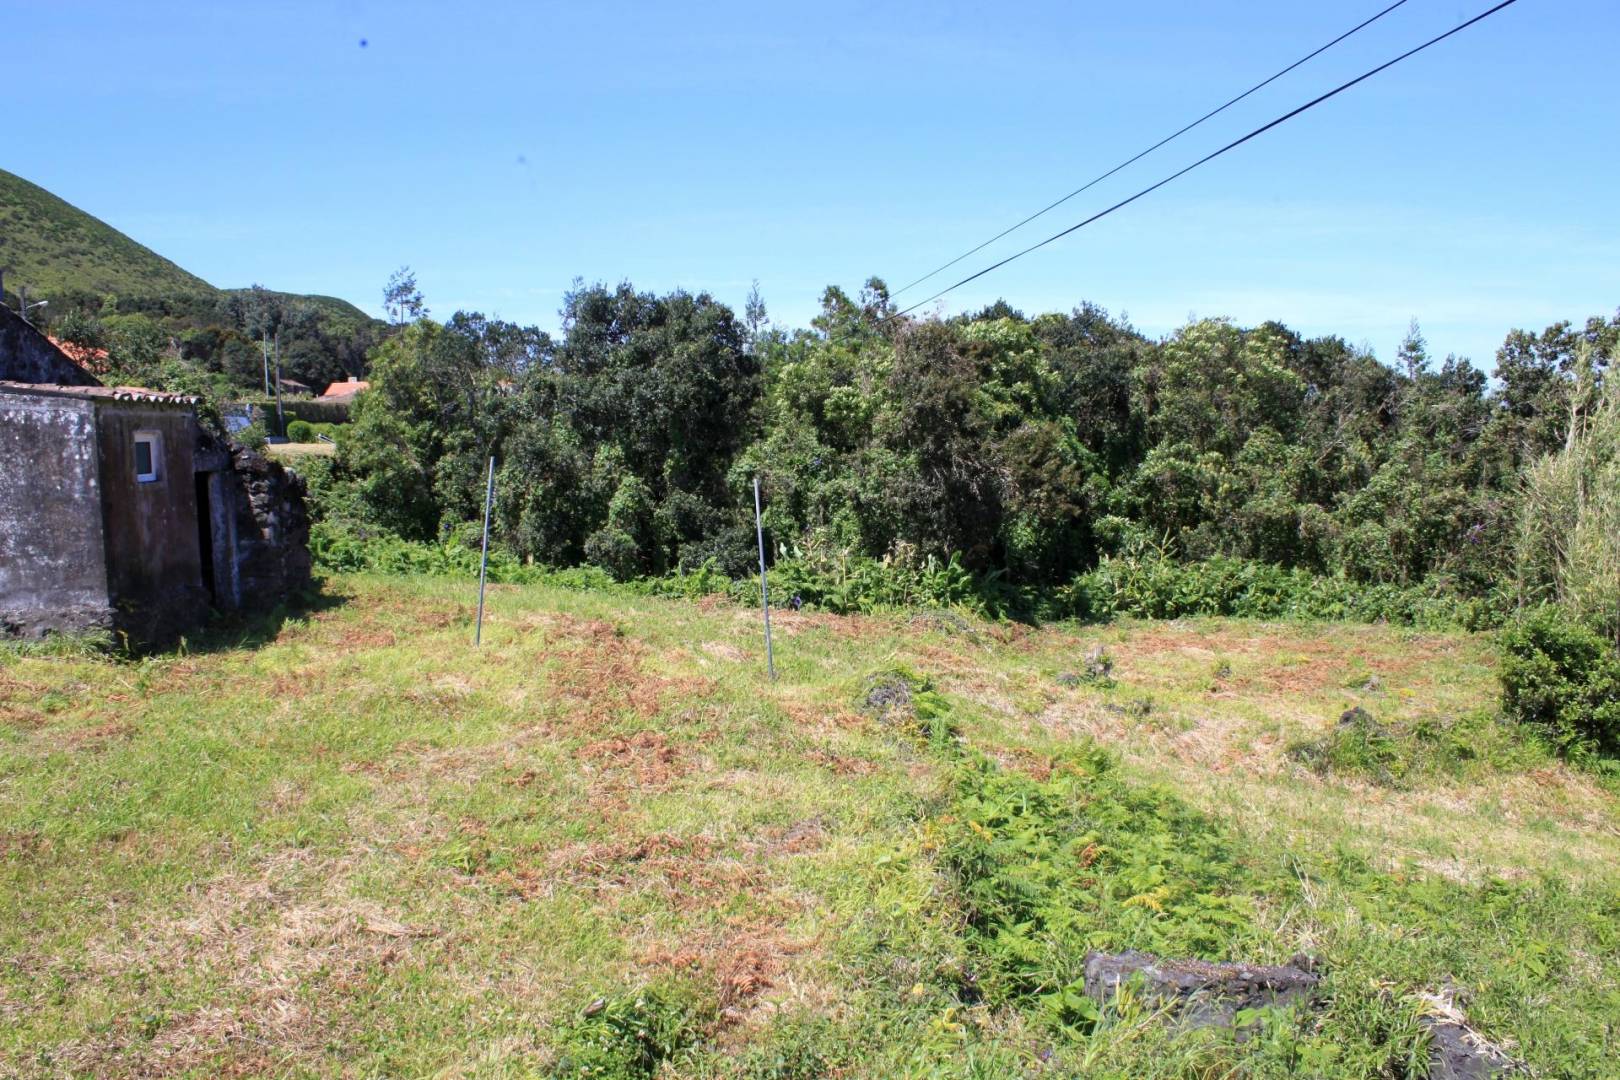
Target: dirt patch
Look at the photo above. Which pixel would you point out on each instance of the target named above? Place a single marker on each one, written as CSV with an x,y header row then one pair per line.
x,y
359,638
796,839
599,673
1031,764
842,764
686,873
721,650
288,957
291,687
646,755
101,733
741,961
822,716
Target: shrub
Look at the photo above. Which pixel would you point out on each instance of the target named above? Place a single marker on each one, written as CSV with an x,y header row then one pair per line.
x,y
300,431
628,1037
1158,587
1563,679
615,551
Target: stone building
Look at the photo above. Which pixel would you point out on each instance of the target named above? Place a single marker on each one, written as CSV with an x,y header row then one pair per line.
x,y
119,511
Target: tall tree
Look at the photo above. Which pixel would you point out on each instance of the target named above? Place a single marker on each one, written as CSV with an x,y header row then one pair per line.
x,y
402,299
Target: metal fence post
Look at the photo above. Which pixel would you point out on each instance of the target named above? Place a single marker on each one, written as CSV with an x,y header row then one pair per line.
x,y
764,584
483,561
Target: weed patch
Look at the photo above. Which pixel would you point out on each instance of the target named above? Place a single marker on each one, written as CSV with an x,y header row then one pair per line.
x,y
629,1037
908,703
1397,755
1049,870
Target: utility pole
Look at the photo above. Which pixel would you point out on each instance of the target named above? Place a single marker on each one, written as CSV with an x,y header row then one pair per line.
x,y
281,420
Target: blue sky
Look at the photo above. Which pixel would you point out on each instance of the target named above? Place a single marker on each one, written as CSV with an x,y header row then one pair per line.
x,y
504,149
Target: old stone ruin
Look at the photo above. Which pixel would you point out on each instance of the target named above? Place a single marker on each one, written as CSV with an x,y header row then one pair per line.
x,y
121,512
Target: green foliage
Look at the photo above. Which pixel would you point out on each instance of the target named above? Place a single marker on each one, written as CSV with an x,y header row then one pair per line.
x,y
54,247
1048,870
300,431
908,703
1157,587
1398,755
628,1037
1569,522
1562,679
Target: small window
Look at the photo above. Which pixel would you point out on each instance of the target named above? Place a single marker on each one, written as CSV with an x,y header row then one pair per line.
x,y
148,457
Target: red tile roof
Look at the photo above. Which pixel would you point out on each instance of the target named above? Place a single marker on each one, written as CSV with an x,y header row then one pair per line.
x,y
93,360
346,389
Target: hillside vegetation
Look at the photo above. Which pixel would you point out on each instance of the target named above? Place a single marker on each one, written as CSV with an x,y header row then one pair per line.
x,y
107,291
603,845
51,246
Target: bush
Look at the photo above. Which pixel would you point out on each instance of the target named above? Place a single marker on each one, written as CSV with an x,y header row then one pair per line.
x,y
615,551
628,1037
1563,679
1157,587
300,431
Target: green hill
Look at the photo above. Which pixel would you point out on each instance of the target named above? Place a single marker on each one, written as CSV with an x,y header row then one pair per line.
x,y
53,248
50,245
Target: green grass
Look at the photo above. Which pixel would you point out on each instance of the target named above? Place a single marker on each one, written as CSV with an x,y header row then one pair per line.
x,y
348,842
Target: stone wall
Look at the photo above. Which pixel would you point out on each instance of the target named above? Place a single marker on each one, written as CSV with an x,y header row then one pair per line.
x,y
270,525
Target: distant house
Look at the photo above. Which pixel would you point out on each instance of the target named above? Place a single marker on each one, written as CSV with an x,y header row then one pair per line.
x,y
119,511
296,388
345,390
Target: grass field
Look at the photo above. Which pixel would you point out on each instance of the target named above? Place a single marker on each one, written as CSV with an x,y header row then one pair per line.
x,y
349,843
288,453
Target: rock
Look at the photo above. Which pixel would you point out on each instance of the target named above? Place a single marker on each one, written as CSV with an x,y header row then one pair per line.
x,y
1098,666
1357,717
1456,1050
1201,993
1068,678
888,694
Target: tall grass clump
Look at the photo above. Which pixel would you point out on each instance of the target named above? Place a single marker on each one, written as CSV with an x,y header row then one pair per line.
x,y
1561,660
1569,521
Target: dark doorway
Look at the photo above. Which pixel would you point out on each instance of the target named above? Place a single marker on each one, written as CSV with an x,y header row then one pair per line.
x,y
205,534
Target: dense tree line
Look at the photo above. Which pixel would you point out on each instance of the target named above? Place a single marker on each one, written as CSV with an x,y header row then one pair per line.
x,y
221,341
1022,447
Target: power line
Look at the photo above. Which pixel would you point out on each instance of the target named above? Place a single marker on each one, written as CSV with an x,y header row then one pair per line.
x,y
1167,139
1211,157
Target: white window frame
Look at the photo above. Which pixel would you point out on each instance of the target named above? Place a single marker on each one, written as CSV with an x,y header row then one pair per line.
x,y
154,439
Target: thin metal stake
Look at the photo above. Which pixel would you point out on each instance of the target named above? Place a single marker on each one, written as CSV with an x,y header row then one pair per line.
x,y
483,562
764,585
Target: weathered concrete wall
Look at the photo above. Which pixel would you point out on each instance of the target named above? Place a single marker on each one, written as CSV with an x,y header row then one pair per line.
x,y
154,562
25,356
53,574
